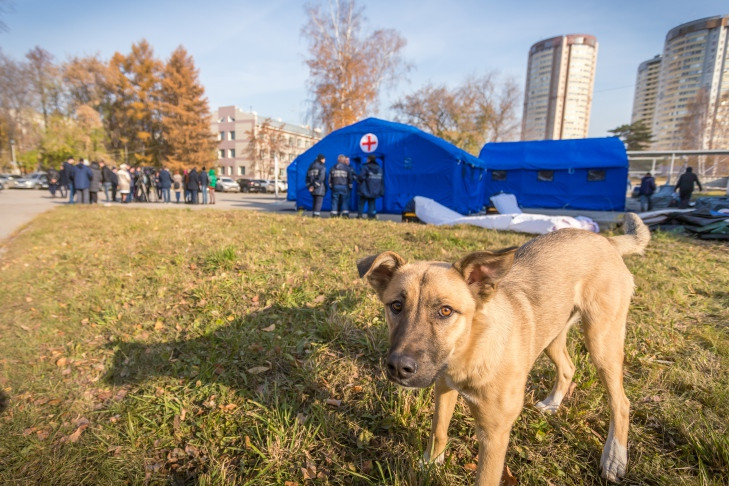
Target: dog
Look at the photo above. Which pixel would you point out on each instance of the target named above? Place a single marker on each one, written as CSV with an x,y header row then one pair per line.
x,y
476,327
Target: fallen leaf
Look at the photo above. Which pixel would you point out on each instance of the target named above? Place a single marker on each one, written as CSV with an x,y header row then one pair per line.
x,y
255,298
230,406
61,362
231,318
333,402
257,370
29,299
247,442
77,434
85,321
158,326
471,466
269,328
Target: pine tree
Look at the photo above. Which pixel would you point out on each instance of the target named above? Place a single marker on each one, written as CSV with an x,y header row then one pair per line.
x,y
188,141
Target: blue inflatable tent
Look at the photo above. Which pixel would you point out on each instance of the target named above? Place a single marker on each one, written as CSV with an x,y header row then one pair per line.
x,y
589,173
414,163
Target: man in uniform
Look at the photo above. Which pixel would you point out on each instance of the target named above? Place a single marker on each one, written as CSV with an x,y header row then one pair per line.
x,y
315,182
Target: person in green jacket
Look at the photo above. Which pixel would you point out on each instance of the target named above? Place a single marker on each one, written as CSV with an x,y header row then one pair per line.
x,y
213,177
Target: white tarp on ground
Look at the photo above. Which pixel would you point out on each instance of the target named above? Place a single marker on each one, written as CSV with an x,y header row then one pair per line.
x,y
431,212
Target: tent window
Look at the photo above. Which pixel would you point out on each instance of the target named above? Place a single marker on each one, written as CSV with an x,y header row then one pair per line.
x,y
545,175
498,175
595,175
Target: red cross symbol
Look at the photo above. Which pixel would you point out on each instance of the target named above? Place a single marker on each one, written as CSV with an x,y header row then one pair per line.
x,y
368,143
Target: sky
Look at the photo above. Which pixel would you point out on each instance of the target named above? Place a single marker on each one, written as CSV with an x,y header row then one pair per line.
x,y
251,53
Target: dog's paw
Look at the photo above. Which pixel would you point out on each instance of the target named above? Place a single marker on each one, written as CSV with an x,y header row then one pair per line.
x,y
548,406
427,461
614,461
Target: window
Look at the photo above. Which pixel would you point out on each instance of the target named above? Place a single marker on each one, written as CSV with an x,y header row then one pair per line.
x,y
241,170
545,175
231,153
221,136
595,175
498,175
221,153
230,170
232,136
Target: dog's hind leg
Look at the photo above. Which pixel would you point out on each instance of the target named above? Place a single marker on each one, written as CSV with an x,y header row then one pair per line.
x,y
605,343
557,352
445,402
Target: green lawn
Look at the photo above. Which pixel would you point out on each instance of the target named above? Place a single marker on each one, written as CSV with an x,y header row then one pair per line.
x,y
211,347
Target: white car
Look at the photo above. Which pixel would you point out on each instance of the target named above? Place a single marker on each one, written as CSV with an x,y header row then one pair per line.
x,y
36,180
226,184
271,186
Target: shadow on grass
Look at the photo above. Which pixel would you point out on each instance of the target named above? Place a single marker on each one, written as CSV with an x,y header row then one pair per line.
x,y
4,401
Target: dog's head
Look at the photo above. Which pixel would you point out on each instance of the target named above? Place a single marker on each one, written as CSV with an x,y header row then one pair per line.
x,y
430,306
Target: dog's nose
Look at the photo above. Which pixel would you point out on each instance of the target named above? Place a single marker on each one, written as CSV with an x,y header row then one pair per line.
x,y
401,367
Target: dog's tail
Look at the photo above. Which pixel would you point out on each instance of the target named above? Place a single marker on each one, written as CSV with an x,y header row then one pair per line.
x,y
636,237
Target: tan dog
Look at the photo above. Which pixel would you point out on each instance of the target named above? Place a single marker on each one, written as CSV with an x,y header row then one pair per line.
x,y
477,326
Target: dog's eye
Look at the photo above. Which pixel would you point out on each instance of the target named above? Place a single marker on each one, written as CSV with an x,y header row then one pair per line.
x,y
445,311
396,307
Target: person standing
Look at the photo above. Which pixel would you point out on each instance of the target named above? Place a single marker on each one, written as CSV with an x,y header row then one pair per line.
x,y
165,182
371,185
685,187
646,190
95,184
82,176
204,183
193,185
315,182
114,183
213,178
177,185
124,182
340,182
107,176
68,170
53,183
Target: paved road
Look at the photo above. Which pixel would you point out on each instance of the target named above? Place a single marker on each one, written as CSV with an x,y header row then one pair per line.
x,y
19,206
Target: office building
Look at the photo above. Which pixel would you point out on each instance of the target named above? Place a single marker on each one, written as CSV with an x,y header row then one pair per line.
x,y
646,91
559,85
694,68
250,146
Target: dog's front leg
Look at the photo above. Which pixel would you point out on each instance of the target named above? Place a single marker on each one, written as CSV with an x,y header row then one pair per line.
x,y
494,419
445,402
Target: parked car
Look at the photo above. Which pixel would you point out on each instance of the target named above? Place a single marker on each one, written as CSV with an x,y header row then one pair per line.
x,y
251,185
8,180
226,184
36,180
271,186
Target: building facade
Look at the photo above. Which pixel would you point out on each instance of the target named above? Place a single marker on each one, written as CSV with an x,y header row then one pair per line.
x,y
694,77
253,147
646,91
559,86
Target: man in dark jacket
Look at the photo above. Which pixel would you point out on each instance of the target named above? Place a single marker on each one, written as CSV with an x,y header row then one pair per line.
x,y
204,182
340,182
315,182
82,181
647,188
371,185
165,182
95,184
193,185
68,170
685,187
53,181
107,177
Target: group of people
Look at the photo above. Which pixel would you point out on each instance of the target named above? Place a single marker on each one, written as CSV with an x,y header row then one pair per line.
x,y
370,186
684,186
83,181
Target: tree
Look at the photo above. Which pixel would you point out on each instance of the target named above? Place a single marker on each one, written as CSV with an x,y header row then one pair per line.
x,y
266,142
636,136
44,82
185,115
84,79
481,110
347,68
16,110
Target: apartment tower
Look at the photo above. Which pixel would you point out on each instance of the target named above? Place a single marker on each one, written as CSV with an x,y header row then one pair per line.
x,y
559,84
646,91
694,76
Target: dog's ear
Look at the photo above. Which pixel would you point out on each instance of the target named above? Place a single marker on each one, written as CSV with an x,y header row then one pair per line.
x,y
379,269
482,270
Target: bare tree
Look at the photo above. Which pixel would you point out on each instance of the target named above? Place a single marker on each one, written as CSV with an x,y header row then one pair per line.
x,y
15,106
347,68
44,81
481,110
266,142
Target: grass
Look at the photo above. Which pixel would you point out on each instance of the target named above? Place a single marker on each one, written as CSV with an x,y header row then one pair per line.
x,y
210,347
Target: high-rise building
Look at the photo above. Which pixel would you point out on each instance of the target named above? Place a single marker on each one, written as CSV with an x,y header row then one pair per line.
x,y
694,76
559,84
249,146
646,91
